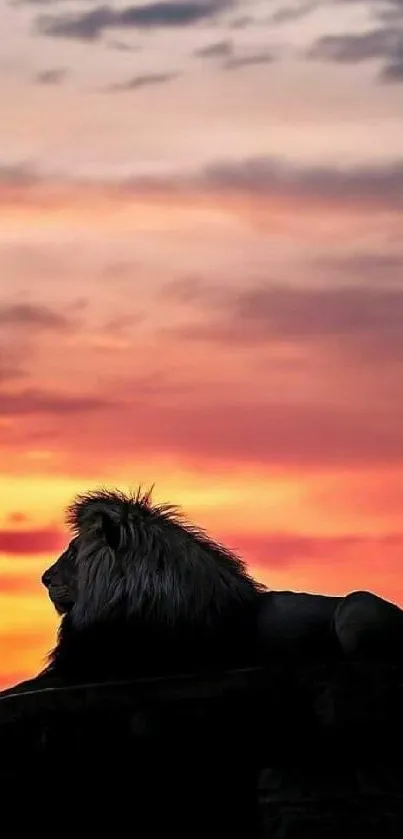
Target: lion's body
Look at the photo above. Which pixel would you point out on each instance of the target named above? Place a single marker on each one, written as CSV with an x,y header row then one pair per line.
x,y
357,624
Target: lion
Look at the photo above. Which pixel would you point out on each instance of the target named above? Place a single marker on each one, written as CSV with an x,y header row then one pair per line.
x,y
141,591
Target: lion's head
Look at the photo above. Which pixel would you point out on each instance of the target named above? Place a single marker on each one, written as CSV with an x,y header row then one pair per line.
x,y
138,570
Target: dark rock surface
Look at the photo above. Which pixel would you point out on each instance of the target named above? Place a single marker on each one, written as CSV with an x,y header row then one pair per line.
x,y
301,749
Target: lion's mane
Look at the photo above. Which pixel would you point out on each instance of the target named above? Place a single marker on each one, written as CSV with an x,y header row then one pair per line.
x,y
150,592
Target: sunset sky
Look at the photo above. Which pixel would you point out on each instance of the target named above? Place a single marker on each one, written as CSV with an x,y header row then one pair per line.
x,y
201,287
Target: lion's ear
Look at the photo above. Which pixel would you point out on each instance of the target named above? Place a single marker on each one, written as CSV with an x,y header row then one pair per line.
x,y
111,531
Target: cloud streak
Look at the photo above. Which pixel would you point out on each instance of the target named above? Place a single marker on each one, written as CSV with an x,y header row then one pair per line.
x,y
138,82
34,317
30,402
384,43
90,25
377,185
220,49
369,265
289,14
236,62
393,72
260,175
53,76
257,425
31,542
280,550
351,320
352,49
231,61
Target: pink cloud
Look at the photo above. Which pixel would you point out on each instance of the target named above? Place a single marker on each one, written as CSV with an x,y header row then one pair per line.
x,y
282,550
31,541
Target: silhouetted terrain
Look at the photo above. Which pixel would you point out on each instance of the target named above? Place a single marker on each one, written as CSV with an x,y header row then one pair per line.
x,y
297,750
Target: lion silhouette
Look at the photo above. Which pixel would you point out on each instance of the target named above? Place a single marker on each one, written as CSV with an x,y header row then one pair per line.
x,y
140,589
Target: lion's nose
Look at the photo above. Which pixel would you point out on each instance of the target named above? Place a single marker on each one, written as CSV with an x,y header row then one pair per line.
x,y
46,577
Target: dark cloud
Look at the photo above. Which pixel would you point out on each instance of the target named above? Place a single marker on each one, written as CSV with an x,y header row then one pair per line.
x,y
389,11
377,186
33,316
394,14
150,15
351,320
29,402
378,7
294,313
371,266
289,14
382,184
90,25
379,43
238,61
51,77
221,49
86,26
19,174
138,82
121,46
242,22
385,43
30,542
392,73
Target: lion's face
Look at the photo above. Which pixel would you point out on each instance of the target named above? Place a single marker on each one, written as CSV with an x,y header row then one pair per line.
x,y
61,579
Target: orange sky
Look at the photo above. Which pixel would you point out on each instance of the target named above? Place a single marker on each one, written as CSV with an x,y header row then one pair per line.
x,y
201,286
